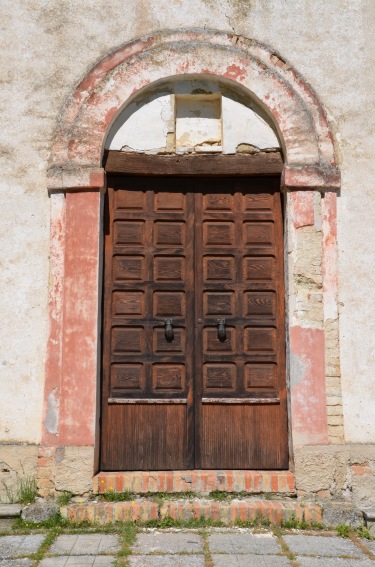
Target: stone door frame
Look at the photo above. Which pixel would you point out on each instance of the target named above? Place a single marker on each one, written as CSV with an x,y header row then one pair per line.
x,y
76,182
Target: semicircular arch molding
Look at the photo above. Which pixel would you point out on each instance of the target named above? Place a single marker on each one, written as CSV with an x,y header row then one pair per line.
x,y
254,68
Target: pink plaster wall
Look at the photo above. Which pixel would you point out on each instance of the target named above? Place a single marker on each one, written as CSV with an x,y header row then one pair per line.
x,y
72,364
308,395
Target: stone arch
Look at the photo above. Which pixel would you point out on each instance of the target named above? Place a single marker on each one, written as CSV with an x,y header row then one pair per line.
x,y
253,67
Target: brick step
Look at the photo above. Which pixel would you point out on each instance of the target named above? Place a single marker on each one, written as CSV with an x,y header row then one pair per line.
x,y
185,510
196,481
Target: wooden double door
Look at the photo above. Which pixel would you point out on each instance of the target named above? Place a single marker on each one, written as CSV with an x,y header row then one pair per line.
x,y
193,325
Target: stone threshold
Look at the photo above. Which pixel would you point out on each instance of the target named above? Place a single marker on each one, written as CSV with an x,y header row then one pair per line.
x,y
187,510
196,481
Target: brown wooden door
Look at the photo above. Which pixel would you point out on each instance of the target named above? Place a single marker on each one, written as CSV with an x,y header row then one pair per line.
x,y
205,257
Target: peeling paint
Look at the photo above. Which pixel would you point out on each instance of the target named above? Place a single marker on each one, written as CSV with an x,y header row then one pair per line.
x,y
301,122
51,422
308,392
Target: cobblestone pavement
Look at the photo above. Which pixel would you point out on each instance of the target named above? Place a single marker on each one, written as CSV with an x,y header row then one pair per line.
x,y
209,547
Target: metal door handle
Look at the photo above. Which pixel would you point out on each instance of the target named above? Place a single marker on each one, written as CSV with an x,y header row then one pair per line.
x,y
221,332
169,334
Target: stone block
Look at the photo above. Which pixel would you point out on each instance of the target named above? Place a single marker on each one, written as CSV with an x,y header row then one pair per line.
x,y
78,561
247,560
74,471
333,562
18,545
247,543
167,561
85,544
17,461
40,511
10,510
322,546
337,513
168,543
16,563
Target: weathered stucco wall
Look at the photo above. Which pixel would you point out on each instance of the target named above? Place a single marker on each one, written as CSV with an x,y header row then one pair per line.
x,y
48,47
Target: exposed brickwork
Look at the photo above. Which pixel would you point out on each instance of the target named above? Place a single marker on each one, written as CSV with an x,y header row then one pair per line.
x,y
197,481
361,469
335,419
45,471
185,510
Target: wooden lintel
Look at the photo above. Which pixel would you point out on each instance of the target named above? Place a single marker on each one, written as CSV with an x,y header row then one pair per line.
x,y
262,163
147,401
241,400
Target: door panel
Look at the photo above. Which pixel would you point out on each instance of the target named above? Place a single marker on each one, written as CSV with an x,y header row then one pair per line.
x,y
241,400
147,388
206,254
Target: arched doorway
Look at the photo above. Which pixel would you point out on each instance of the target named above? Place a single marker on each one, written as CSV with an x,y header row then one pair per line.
x,y
77,183
194,319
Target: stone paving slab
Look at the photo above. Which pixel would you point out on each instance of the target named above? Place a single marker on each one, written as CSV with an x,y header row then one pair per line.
x,y
16,563
85,544
78,561
329,546
333,562
232,543
370,544
250,560
14,546
167,561
168,543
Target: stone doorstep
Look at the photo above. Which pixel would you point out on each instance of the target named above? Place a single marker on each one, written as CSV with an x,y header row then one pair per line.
x,y
369,514
10,511
142,510
197,481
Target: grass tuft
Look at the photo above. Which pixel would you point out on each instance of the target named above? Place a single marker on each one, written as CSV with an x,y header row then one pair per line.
x,y
64,498
117,496
343,530
24,492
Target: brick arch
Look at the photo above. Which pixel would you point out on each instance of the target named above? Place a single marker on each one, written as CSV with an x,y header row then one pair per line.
x,y
257,69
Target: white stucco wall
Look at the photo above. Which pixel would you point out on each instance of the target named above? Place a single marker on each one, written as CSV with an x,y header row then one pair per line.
x,y
168,122
47,47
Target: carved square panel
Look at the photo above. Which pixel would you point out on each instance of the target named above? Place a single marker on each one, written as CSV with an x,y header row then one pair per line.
x,y
128,232
128,377
165,201
258,201
218,303
211,343
218,268
168,377
260,376
169,233
218,233
218,202
220,377
128,303
259,234
260,303
128,340
128,268
260,339
259,269
169,304
130,200
161,345
169,268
